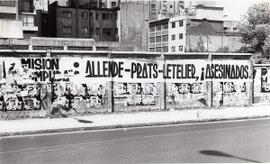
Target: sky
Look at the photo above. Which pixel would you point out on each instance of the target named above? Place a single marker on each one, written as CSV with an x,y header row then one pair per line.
x,y
234,9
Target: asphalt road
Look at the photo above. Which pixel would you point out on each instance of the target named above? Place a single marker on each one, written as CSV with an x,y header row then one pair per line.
x,y
237,142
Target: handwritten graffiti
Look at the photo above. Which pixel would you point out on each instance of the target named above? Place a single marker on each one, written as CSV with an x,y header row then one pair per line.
x,y
44,68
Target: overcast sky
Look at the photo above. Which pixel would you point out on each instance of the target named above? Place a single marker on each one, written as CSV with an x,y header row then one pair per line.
x,y
233,8
236,8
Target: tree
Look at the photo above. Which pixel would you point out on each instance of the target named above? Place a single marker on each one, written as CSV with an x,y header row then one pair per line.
x,y
255,28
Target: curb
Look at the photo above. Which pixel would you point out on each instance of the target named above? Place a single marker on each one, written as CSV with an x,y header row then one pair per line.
x,y
119,126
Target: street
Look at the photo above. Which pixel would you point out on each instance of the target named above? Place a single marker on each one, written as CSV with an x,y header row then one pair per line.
x,y
237,141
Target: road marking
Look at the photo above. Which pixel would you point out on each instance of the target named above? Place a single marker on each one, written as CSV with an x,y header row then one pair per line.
x,y
59,147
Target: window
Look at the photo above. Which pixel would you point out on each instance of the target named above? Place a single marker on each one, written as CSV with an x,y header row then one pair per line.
x,y
153,6
164,26
110,16
165,49
173,24
113,4
152,39
97,31
104,16
173,48
67,14
67,29
173,37
26,6
84,15
28,20
235,29
85,31
152,49
97,15
181,36
226,28
158,27
181,48
158,38
158,49
181,22
152,28
7,3
164,38
106,31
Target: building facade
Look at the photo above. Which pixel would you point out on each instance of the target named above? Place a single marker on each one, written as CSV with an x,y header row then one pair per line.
x,y
201,30
68,22
17,19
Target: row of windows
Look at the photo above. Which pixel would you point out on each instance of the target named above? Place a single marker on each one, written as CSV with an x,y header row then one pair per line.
x,y
180,48
181,23
159,49
228,28
165,49
159,27
85,30
7,3
105,16
163,38
180,36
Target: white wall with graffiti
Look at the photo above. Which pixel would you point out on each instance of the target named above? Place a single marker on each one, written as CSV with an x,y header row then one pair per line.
x,y
261,83
79,84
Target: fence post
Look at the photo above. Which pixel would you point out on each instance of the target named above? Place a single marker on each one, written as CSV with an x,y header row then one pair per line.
x,y
252,90
163,92
209,87
110,90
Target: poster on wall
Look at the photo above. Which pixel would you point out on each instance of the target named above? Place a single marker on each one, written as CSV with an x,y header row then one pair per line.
x,y
84,76
265,80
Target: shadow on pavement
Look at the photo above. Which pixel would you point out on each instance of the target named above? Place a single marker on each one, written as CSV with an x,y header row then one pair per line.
x,y
83,121
222,154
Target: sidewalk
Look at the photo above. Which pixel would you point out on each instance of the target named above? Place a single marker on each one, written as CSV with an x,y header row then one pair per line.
x,y
109,121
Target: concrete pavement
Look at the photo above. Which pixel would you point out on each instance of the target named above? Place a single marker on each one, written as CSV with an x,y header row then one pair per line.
x,y
121,120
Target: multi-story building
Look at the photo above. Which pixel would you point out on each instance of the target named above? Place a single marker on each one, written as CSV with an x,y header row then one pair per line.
x,y
10,26
17,19
199,31
75,22
94,4
162,9
27,14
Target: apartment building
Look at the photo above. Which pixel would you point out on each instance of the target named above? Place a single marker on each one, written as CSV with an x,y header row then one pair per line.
x,y
99,24
10,26
168,35
201,30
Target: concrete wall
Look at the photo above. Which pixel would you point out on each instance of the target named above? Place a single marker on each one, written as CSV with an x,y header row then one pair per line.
x,y
261,83
33,85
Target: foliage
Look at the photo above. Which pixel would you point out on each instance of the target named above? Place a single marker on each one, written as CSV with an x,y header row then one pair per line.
x,y
255,29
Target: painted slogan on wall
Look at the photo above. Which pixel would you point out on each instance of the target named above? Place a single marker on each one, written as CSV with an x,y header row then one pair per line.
x,y
45,69
86,78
